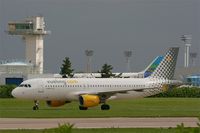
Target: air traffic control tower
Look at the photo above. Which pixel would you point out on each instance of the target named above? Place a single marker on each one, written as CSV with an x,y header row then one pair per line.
x,y
32,30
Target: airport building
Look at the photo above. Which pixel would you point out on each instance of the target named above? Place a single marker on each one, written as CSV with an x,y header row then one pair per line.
x,y
17,67
182,72
16,71
193,80
13,71
32,31
189,75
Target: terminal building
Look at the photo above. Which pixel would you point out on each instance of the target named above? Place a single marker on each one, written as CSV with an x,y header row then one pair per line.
x,y
190,75
17,67
193,80
16,71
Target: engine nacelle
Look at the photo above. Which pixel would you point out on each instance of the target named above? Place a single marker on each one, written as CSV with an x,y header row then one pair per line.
x,y
56,103
89,100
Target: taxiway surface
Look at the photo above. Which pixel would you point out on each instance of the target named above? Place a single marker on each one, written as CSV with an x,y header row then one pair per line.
x,y
32,123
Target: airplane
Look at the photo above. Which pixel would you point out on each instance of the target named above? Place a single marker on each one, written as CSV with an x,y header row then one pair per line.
x,y
91,92
145,73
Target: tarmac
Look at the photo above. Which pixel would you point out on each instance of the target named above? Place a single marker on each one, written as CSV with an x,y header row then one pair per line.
x,y
33,123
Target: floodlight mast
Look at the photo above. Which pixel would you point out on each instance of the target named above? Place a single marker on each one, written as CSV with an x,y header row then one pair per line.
x,y
187,42
128,54
89,54
193,57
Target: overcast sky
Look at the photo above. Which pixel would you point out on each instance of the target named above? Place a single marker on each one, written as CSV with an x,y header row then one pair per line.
x,y
148,27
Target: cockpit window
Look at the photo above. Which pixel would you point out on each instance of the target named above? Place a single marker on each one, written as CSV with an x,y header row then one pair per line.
x,y
21,85
25,85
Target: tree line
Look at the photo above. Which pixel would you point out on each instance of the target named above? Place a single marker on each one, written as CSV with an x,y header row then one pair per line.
x,y
67,71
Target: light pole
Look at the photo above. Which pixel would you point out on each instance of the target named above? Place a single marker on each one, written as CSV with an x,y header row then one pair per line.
x,y
187,42
128,54
193,56
89,54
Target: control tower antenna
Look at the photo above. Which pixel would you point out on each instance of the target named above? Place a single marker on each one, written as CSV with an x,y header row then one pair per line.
x,y
32,30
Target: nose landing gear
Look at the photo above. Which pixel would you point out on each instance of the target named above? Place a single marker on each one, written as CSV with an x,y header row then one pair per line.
x,y
36,106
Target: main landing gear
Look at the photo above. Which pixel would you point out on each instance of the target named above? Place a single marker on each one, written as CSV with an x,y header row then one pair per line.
x,y
82,108
105,107
36,106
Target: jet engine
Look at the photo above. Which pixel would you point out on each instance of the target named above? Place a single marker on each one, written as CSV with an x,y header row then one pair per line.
x,y
89,100
56,103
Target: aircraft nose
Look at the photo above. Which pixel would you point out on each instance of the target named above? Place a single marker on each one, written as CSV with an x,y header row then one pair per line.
x,y
15,92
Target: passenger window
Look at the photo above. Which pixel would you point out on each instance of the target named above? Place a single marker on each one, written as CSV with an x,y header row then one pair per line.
x,y
26,85
29,85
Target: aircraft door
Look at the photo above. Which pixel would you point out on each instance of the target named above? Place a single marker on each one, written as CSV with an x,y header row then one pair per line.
x,y
41,91
84,86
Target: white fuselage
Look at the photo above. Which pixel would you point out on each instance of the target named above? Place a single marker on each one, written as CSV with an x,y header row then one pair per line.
x,y
71,89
